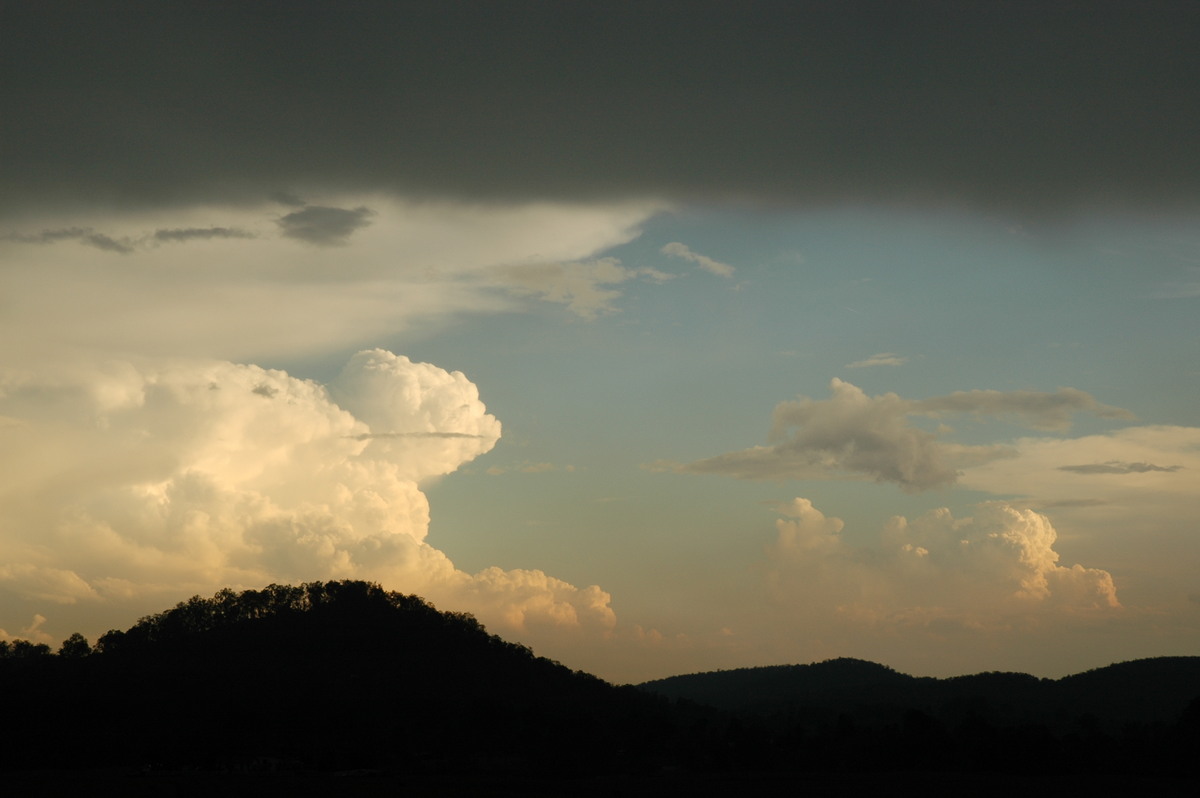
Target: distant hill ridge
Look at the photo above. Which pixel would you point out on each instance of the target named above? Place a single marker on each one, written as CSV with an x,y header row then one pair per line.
x,y
1146,690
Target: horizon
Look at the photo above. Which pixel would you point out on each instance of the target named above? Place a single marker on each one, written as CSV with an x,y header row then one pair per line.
x,y
663,340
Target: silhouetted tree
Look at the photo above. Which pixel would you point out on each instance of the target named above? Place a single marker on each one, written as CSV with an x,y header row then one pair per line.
x,y
23,649
75,647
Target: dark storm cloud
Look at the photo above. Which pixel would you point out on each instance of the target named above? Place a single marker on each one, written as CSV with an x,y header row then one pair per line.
x,y
317,224
1117,467
1018,105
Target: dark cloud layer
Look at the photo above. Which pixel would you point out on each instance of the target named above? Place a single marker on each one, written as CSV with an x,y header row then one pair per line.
x,y
1023,105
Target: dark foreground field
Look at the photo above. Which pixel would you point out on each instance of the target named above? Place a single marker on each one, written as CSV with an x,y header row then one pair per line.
x,y
53,784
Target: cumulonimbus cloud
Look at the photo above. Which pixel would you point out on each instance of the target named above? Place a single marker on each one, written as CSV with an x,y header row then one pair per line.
x,y
855,435
134,485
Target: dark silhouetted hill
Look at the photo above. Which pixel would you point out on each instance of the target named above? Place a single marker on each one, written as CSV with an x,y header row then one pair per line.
x,y
1142,691
1133,717
329,675
292,687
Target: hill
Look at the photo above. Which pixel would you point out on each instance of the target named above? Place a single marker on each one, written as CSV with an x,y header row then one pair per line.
x,y
329,675
292,687
1144,691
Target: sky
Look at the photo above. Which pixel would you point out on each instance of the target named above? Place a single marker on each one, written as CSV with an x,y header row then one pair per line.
x,y
662,337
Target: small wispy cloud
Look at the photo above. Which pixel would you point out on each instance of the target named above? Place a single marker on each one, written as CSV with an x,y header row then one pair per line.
x,y
585,287
126,245
1118,467
678,250
878,359
174,234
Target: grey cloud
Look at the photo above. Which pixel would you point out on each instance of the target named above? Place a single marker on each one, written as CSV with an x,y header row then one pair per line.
x,y
84,235
325,226
201,233
50,236
1117,467
852,435
108,243
1025,106
263,389
1037,408
125,245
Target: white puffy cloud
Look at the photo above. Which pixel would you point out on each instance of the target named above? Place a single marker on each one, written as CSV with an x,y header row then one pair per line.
x,y
855,435
1125,497
995,570
133,485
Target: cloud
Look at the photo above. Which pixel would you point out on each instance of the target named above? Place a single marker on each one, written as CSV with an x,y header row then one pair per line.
x,y
1041,410
852,435
32,633
178,234
366,436
709,265
325,226
880,359
50,236
126,245
83,235
584,287
127,486
994,569
1135,513
800,103
417,266
1117,467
